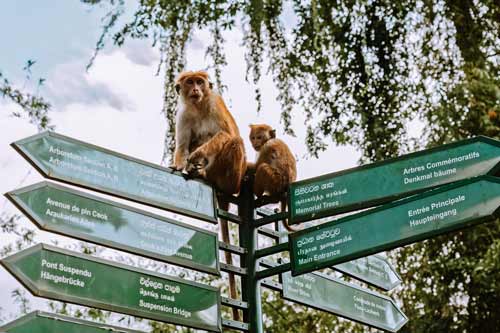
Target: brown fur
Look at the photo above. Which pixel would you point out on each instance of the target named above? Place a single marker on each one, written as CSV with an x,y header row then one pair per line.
x,y
275,167
208,138
211,162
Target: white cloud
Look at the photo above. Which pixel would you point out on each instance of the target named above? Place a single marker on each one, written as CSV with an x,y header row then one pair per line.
x,y
140,52
70,84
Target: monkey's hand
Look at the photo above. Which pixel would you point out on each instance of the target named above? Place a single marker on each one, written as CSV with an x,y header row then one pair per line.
x,y
177,167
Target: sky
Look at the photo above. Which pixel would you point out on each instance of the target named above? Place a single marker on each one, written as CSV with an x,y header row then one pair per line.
x,y
117,103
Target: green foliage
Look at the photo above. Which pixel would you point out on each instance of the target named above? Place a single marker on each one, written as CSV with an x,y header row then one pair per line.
x,y
359,70
35,107
451,282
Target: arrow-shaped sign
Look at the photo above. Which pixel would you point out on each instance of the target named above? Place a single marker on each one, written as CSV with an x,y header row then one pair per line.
x,y
42,322
67,276
385,181
80,215
374,270
344,299
422,216
62,158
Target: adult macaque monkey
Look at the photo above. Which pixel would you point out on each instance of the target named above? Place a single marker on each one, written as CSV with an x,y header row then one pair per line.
x,y
200,116
206,129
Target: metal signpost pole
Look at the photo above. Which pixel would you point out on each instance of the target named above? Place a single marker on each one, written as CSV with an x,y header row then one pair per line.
x,y
249,240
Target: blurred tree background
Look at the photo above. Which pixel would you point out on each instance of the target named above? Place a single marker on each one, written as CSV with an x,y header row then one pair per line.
x,y
363,72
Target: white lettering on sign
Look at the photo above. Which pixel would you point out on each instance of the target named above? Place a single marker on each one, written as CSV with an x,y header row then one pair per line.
x,y
330,233
418,178
432,174
64,164
306,210
367,306
308,247
74,271
160,291
306,190
336,242
63,153
64,268
312,198
44,275
437,216
57,204
305,241
77,158
69,218
148,283
149,293
72,210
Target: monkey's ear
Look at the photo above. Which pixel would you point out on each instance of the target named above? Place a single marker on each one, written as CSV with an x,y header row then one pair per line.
x,y
210,85
178,87
272,133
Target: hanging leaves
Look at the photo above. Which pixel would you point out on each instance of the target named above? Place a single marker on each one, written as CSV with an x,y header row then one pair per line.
x,y
35,107
358,70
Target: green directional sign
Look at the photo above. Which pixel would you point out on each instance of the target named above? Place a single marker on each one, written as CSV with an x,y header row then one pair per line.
x,y
81,279
62,158
344,299
42,322
89,218
386,181
374,270
419,217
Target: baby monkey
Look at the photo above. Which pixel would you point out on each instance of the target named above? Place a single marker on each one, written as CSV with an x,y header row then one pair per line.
x,y
275,167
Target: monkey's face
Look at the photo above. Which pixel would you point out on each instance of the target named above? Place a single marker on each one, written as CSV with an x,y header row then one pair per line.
x,y
196,166
258,138
194,89
260,134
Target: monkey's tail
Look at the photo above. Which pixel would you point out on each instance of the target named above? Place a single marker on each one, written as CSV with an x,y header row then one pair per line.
x,y
224,228
285,221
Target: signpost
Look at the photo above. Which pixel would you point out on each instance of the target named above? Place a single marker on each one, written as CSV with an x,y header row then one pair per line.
x,y
89,218
386,181
416,218
62,158
447,188
42,322
71,277
374,270
344,299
